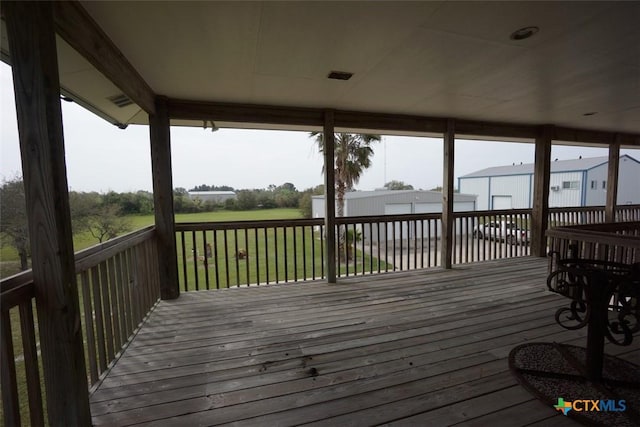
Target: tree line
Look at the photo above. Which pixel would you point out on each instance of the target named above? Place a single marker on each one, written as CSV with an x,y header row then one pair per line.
x,y
105,215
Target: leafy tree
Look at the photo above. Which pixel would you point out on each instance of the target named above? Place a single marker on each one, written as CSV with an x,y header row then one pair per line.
x,y
286,195
265,199
13,219
352,156
305,203
246,200
106,222
398,185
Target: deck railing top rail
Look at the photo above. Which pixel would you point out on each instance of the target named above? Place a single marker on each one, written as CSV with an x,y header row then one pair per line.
x,y
625,234
231,225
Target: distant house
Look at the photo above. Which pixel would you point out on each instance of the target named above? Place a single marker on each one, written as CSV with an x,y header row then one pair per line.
x,y
579,182
212,196
395,202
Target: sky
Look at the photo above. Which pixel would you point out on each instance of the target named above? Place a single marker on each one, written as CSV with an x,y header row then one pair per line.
x,y
101,157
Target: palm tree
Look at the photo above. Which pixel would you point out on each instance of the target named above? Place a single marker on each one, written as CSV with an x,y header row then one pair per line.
x,y
352,155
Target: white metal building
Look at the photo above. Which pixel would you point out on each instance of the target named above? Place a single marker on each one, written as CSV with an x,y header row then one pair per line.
x,y
212,196
579,182
396,202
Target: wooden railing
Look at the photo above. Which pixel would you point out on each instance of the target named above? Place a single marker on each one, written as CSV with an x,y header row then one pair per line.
x,y
612,242
117,287
377,244
628,213
477,239
215,255
559,217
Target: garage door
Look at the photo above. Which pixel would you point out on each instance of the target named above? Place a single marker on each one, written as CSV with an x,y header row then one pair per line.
x,y
397,229
500,202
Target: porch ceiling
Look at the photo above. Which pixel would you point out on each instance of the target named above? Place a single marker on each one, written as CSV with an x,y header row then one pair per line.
x,y
439,59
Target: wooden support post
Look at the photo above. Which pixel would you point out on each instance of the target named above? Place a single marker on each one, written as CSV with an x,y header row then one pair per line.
x,y
160,133
329,196
541,176
446,244
32,43
612,180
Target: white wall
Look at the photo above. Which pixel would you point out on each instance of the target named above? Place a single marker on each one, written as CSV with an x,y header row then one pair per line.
x,y
516,186
479,187
564,197
629,182
596,196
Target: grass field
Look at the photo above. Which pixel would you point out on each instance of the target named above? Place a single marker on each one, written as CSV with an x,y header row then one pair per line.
x,y
9,263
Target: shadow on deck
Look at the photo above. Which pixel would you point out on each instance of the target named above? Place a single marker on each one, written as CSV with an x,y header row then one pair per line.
x,y
418,348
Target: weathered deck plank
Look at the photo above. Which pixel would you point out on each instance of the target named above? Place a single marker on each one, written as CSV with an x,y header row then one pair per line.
x,y
413,348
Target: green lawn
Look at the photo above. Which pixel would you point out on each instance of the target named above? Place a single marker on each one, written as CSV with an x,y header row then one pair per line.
x,y
9,257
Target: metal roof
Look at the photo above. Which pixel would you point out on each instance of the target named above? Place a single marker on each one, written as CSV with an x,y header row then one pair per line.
x,y
212,193
572,165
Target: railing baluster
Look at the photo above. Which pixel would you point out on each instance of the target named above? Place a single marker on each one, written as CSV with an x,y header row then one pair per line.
x,y
184,262
355,249
205,262
226,258
295,254
128,283
97,306
30,356
89,328
194,249
275,243
257,255
216,264
10,403
106,301
322,239
236,256
266,253
112,287
371,248
313,251
124,326
304,253
247,259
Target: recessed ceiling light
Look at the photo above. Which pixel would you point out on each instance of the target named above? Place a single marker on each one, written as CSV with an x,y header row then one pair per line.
x,y
592,113
524,33
340,75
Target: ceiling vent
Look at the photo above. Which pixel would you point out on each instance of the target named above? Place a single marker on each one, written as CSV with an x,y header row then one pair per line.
x,y
121,100
340,75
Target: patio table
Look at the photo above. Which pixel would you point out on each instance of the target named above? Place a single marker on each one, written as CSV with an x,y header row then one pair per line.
x,y
605,298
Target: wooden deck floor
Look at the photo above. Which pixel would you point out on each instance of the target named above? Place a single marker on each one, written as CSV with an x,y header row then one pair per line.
x,y
419,348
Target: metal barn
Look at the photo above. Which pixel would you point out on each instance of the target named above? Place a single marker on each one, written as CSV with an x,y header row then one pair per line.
x,y
578,182
394,203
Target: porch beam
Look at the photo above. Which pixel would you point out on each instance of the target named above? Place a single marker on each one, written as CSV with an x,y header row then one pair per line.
x,y
541,178
368,121
161,170
244,113
328,136
594,137
30,28
612,181
78,28
446,243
